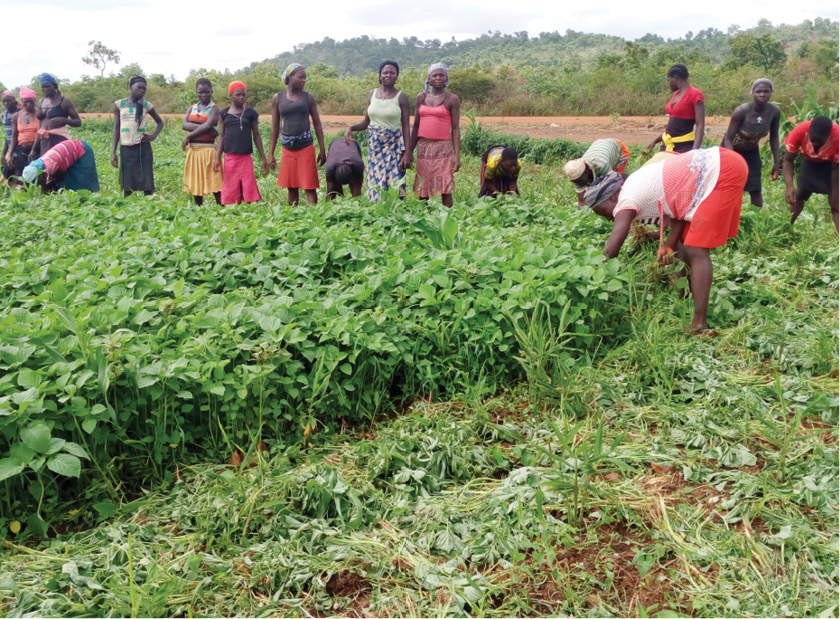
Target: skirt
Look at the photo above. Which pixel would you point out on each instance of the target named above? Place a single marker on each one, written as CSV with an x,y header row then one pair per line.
x,y
622,161
717,218
435,175
298,169
814,177
137,167
199,177
239,182
20,159
753,159
385,148
82,174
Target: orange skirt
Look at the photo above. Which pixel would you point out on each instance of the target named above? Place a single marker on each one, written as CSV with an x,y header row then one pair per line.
x,y
717,218
298,169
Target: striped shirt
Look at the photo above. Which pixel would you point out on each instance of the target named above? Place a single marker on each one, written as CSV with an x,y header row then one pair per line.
x,y
603,156
62,156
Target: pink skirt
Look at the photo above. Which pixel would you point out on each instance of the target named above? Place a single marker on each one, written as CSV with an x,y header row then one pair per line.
x,y
239,182
435,166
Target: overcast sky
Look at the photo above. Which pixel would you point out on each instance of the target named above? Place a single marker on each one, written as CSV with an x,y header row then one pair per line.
x,y
173,36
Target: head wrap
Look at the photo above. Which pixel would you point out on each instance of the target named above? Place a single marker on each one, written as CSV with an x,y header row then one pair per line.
x,y
8,93
27,93
289,70
435,67
136,78
575,168
48,78
236,85
603,188
30,172
761,81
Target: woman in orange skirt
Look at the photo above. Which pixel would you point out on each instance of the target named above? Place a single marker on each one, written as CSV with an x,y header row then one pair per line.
x,y
294,107
700,191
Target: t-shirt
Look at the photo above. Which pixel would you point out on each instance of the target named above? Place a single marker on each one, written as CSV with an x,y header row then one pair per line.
x,y
7,123
132,131
238,139
62,156
494,167
800,138
684,108
680,183
340,150
603,156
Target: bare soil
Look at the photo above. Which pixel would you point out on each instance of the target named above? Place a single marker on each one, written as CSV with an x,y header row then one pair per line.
x,y
629,129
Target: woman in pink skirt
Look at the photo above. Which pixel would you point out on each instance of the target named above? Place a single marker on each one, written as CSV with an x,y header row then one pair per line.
x,y
437,136
239,133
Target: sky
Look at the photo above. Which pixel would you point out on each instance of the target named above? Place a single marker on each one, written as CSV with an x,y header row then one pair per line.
x,y
173,36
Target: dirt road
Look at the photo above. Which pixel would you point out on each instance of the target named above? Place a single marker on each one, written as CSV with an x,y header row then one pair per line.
x,y
628,129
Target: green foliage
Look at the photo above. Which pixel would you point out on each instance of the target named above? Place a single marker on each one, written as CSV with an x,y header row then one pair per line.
x,y
476,140
762,51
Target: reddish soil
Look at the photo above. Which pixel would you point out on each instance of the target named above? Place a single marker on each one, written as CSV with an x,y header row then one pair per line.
x,y
630,129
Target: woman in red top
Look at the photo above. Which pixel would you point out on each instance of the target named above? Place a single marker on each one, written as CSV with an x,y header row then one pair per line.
x,y
437,136
686,111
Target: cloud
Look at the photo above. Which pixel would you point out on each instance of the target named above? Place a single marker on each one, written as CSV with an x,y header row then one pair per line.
x,y
88,5
234,31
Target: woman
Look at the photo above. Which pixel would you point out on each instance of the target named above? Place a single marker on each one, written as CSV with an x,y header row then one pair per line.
x,y
10,108
69,165
344,167
135,161
56,113
686,111
24,135
749,123
700,191
437,136
240,131
500,168
294,107
387,120
200,179
602,156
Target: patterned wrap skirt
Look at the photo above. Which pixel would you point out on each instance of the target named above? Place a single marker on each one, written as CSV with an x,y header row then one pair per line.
x,y
240,183
298,169
435,168
199,177
82,174
385,148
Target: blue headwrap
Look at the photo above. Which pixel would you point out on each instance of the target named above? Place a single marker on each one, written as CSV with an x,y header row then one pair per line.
x,y
603,188
435,67
48,78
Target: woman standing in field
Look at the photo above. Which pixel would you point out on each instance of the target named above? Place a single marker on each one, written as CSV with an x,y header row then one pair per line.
x,y
700,191
200,177
24,135
387,120
686,115
135,161
56,113
294,107
10,108
240,131
750,123
437,136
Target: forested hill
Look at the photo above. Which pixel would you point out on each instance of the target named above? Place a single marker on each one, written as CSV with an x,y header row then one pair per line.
x,y
570,50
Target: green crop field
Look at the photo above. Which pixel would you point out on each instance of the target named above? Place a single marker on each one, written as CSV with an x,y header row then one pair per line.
x,y
403,410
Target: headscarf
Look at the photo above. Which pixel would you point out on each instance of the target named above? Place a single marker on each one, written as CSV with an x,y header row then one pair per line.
x,y
141,108
289,70
48,78
235,85
603,188
30,172
759,82
27,93
435,67
8,93
136,78
575,168
385,64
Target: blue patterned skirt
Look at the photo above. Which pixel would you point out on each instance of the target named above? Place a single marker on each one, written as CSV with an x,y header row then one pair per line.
x,y
385,149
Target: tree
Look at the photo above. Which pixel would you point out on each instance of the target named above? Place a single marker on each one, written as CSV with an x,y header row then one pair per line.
x,y
762,51
100,56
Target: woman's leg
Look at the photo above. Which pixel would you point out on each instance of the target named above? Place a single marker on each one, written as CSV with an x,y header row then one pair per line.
x,y
294,196
218,196
756,198
199,200
700,279
447,199
312,196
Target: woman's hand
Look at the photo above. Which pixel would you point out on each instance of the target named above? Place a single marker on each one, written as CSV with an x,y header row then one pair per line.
x,y
457,163
217,165
148,138
790,196
406,161
348,136
185,143
55,123
115,161
272,162
775,175
322,158
665,256
265,167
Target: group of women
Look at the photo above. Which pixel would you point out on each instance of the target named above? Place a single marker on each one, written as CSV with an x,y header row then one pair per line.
x,y
696,193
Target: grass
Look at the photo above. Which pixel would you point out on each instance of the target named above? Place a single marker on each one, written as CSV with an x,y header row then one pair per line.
x,y
665,475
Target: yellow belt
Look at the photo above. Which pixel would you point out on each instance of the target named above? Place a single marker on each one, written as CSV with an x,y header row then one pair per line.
x,y
669,141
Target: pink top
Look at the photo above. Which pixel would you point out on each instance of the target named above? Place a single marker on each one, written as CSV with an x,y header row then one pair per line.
x,y
435,122
62,156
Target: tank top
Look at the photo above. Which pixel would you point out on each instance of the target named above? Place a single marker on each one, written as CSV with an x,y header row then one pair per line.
x,y
435,121
199,116
750,133
385,113
28,132
294,114
132,132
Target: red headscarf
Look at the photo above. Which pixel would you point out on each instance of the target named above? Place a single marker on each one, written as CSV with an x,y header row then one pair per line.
x,y
234,85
